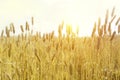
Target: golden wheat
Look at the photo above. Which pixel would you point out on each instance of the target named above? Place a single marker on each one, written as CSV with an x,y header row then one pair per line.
x,y
113,18
27,26
94,30
7,32
32,20
31,57
2,33
117,21
113,35
113,11
21,27
118,28
106,21
109,29
12,28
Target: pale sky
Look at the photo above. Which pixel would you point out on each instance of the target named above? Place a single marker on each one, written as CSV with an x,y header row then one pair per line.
x,y
48,14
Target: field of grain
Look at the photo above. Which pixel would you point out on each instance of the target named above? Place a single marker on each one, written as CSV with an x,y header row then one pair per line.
x,y
63,57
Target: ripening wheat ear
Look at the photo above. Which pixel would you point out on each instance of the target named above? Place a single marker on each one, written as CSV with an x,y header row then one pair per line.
x,y
106,21
7,32
113,11
68,29
106,17
27,26
94,29
99,23
32,20
109,29
12,28
52,34
118,28
118,20
113,35
21,28
113,19
60,28
101,31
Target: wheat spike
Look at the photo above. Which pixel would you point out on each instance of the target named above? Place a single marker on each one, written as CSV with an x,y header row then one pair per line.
x,y
100,32
99,22
68,29
106,17
113,11
12,28
7,32
21,28
113,35
113,19
32,20
105,29
94,29
118,28
109,29
27,26
117,21
106,21
60,28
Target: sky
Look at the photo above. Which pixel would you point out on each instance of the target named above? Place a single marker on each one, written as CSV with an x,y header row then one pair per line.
x,y
48,14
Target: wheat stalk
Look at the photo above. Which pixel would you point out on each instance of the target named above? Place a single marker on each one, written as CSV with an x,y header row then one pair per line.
x,y
35,51
9,50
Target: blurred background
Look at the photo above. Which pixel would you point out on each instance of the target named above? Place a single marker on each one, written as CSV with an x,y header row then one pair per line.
x,y
48,14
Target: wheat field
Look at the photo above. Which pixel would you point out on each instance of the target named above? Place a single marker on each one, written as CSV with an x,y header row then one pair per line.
x,y
63,57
